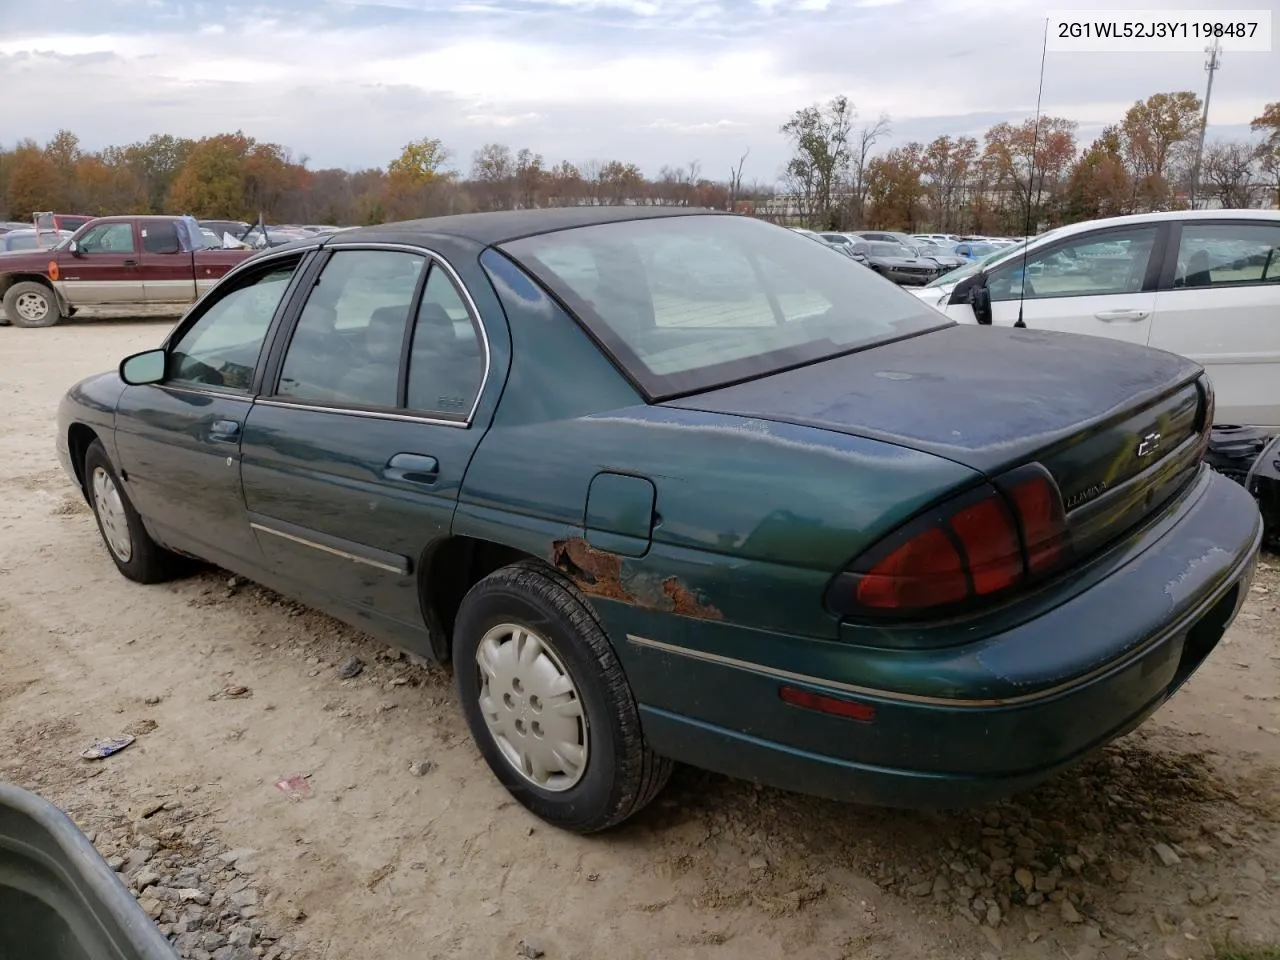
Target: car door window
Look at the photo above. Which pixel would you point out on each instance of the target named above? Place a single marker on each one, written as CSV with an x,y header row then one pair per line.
x,y
221,348
1094,265
160,236
107,238
446,361
1220,254
347,345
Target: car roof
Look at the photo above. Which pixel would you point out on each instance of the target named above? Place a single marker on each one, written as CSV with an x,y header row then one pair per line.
x,y
1163,215
505,225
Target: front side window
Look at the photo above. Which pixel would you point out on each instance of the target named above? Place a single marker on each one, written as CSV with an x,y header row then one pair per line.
x,y
107,238
1216,254
691,302
222,347
346,348
1114,262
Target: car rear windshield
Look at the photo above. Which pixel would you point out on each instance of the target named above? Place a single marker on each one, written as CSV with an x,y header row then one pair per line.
x,y
690,303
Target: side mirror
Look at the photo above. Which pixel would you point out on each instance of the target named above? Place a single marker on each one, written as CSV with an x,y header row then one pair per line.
x,y
73,248
143,368
980,299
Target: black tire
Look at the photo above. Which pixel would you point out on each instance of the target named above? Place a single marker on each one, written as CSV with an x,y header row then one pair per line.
x,y
31,293
147,561
621,774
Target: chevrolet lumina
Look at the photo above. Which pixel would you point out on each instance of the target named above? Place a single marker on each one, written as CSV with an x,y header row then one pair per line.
x,y
676,486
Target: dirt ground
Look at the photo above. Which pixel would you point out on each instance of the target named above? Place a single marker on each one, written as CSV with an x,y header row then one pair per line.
x,y
1162,846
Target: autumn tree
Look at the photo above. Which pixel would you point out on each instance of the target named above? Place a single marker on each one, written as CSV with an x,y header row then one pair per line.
x,y
34,183
211,182
894,188
947,166
1099,184
819,138
1268,151
416,180
155,162
1159,136
1029,162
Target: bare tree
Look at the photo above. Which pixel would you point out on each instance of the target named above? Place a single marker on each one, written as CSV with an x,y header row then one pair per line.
x,y
735,181
1230,174
866,139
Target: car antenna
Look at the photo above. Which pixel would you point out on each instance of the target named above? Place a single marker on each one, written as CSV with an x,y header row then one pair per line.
x,y
1031,178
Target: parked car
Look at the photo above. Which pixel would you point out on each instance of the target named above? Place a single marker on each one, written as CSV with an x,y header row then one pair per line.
x,y
60,221
236,228
1201,283
668,485
941,253
30,239
900,263
113,262
7,225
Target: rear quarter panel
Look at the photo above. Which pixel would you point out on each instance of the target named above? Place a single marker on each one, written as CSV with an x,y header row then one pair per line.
x,y
752,518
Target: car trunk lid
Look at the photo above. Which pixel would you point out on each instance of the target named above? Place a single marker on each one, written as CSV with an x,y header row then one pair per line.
x,y
1120,427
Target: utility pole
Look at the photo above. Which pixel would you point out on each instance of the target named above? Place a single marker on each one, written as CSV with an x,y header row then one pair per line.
x,y
1211,65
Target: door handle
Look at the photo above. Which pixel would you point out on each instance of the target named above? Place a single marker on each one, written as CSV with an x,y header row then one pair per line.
x,y
131,263
224,431
412,468
1112,315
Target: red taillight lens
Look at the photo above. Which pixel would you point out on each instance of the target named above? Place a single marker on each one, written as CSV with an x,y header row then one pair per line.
x,y
979,545
926,571
1039,507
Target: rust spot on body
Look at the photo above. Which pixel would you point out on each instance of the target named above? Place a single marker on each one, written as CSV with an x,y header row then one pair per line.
x,y
600,573
686,603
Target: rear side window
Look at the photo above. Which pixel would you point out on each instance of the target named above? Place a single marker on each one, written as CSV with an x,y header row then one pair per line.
x,y
159,236
1228,254
446,360
346,348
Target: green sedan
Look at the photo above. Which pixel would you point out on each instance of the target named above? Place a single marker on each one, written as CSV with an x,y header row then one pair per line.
x,y
678,486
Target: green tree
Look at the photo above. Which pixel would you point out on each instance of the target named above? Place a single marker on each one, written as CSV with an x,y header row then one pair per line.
x,y
819,138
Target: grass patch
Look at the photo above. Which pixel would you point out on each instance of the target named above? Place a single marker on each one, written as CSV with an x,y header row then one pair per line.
x,y
1231,951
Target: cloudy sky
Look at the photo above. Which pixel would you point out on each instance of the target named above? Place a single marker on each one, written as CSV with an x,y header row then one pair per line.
x,y
348,82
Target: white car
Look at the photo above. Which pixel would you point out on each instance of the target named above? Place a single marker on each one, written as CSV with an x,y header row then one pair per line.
x,y
1201,283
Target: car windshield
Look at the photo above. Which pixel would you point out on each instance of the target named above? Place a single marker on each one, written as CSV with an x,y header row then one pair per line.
x,y
882,248
690,303
990,259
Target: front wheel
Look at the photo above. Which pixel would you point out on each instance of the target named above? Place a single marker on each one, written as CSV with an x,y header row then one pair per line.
x,y
135,554
31,304
548,704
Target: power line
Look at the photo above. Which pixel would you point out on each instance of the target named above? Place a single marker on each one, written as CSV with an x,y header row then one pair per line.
x,y
1211,65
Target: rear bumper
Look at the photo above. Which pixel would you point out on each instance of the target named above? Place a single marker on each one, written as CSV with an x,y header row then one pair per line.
x,y
995,716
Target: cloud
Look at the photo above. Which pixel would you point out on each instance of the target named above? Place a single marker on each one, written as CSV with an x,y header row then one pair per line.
x,y
656,82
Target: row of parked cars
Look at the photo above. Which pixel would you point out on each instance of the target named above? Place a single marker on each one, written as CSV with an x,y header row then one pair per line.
x,y
904,259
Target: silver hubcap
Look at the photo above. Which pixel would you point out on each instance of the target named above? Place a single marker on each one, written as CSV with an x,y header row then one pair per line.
x,y
110,509
33,306
532,707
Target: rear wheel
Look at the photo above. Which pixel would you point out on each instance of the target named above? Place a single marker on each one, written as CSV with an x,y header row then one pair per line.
x,y
31,304
135,554
548,703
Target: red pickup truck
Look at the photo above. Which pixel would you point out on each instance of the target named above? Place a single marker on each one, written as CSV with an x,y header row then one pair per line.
x,y
113,263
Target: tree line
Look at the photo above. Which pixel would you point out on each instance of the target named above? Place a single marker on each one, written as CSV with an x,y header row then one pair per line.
x,y
1147,161
835,178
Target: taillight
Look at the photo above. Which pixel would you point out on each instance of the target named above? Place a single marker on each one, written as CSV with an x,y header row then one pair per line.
x,y
974,547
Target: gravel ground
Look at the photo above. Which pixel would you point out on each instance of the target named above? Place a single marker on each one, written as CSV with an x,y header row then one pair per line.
x,y
296,791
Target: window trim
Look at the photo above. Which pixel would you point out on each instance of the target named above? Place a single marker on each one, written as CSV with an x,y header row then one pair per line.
x,y
208,302
1170,272
1155,264
268,391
